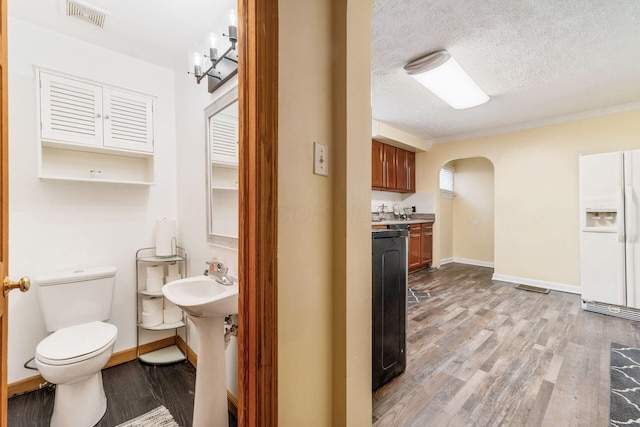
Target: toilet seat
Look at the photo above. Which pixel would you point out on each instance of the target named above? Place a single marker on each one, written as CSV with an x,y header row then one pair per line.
x,y
76,343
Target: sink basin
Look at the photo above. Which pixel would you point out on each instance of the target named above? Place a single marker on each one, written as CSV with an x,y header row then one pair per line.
x,y
203,296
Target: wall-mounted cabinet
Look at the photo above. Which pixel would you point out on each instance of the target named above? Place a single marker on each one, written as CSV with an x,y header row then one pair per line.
x,y
93,132
392,168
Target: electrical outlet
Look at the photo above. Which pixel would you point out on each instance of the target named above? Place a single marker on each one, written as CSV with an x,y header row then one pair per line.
x,y
320,159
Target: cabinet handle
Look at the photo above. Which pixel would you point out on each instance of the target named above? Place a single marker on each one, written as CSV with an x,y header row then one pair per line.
x,y
386,180
107,117
98,115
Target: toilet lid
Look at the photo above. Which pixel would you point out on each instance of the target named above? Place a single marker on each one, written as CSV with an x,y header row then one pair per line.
x,y
76,343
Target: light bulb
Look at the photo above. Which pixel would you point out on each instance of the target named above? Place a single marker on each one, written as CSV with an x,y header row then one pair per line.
x,y
233,18
213,40
197,59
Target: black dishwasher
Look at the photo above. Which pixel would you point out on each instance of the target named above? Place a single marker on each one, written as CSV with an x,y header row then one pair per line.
x,y
389,263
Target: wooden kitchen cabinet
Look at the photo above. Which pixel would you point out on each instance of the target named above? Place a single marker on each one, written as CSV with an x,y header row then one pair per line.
x,y
426,241
377,165
405,171
392,168
420,246
415,247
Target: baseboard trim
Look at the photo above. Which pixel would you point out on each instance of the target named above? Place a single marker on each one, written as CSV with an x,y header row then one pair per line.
x,y
448,260
539,283
469,262
36,382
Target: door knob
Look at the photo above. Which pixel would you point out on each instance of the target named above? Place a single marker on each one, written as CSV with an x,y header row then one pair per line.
x,y
23,284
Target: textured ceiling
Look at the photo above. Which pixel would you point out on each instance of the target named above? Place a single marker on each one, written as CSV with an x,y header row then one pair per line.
x,y
540,61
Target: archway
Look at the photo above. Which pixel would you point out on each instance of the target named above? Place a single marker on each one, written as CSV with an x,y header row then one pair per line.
x,y
466,217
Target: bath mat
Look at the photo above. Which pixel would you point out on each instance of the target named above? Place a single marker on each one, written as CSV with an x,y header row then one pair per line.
x,y
414,297
624,391
159,417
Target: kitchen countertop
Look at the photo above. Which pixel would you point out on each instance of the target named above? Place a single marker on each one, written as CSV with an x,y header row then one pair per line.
x,y
401,221
417,218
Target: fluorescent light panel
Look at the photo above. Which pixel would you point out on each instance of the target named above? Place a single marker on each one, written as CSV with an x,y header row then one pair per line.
x,y
444,77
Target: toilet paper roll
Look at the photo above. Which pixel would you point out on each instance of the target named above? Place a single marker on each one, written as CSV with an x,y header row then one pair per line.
x,y
155,272
171,316
166,239
155,284
173,270
172,278
150,320
151,305
168,305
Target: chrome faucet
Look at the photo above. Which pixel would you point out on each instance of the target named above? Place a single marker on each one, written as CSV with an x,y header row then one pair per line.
x,y
219,272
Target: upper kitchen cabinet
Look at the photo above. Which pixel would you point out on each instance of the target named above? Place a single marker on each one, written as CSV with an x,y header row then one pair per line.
x,y
377,165
405,171
392,168
91,132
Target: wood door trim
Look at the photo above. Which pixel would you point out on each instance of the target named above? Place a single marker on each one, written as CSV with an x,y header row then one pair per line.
x,y
4,216
258,178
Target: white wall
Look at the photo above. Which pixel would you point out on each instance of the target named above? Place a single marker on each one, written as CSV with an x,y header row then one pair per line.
x,y
191,100
424,202
57,226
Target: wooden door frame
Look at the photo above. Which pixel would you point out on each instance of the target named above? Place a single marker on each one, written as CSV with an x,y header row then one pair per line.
x,y
4,216
258,179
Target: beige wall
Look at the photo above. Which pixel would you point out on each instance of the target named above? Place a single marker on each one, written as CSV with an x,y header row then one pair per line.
x,y
473,211
398,138
536,190
445,225
324,267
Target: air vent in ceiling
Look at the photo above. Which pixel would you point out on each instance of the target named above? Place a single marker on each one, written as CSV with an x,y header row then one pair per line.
x,y
86,12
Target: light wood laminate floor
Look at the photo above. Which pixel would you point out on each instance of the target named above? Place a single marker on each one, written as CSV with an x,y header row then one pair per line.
x,y
482,353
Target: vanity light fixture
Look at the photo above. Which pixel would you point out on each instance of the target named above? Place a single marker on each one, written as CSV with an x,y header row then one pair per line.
x,y
222,67
444,77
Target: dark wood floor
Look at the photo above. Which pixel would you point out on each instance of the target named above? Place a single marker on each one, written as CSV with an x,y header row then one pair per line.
x,y
481,353
132,389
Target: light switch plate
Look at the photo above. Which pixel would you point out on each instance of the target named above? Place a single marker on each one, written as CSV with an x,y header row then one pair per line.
x,y
320,159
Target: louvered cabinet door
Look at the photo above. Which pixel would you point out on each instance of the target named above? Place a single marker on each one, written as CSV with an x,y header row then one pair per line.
x,y
71,111
128,121
223,134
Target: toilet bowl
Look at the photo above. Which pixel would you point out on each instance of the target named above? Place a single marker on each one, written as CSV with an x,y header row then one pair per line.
x,y
72,358
75,306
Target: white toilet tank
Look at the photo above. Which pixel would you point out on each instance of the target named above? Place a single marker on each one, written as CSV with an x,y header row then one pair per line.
x,y
75,297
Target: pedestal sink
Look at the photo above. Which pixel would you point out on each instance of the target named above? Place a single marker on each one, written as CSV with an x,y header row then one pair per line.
x,y
206,302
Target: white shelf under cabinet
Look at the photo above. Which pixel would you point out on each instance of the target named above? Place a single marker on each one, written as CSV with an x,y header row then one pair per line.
x,y
74,165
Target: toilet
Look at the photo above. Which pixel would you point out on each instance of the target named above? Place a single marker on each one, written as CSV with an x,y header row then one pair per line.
x,y
74,306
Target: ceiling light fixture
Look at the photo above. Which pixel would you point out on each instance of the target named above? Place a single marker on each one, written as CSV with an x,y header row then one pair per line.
x,y
444,77
224,66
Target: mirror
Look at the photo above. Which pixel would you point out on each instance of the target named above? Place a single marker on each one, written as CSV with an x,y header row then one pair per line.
x,y
221,118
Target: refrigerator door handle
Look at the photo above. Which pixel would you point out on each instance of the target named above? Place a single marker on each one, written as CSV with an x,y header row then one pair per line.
x,y
631,217
619,215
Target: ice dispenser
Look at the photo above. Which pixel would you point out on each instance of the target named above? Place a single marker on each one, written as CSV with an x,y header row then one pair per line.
x,y
603,220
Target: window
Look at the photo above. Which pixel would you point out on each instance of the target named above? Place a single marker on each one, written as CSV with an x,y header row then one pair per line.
x,y
446,182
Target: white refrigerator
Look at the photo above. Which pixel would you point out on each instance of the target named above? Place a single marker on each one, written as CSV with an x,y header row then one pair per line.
x,y
609,227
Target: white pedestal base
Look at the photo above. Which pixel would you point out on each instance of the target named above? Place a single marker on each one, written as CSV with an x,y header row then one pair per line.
x,y
210,408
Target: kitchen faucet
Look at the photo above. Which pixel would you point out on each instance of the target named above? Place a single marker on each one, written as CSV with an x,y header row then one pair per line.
x,y
219,272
